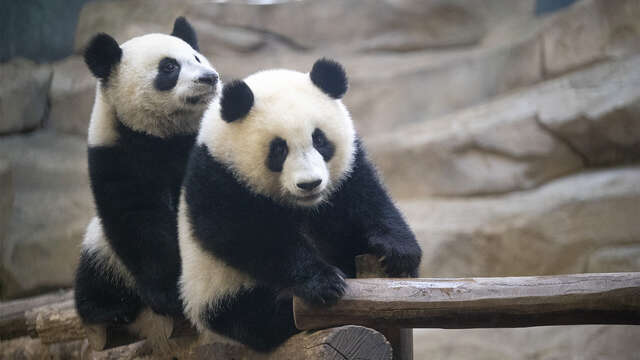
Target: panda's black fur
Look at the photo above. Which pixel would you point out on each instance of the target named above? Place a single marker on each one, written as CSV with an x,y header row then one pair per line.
x,y
136,188
287,249
135,183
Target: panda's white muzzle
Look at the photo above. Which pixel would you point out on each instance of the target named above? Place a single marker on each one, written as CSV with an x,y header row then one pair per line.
x,y
305,177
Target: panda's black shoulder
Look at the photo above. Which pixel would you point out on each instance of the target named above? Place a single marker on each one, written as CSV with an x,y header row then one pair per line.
x,y
363,180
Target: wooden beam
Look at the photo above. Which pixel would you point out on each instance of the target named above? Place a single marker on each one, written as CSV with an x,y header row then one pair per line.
x,y
401,340
58,322
12,313
612,298
346,342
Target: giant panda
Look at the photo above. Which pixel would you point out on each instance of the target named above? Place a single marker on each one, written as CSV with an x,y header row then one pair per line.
x,y
151,94
278,198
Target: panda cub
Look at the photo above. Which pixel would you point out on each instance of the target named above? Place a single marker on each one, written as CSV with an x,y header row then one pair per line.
x,y
278,199
150,97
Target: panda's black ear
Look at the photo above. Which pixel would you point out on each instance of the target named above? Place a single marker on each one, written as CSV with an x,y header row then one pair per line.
x,y
102,55
330,77
236,101
183,30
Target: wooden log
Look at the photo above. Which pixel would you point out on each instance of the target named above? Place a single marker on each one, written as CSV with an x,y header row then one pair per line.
x,y
401,340
612,298
12,313
54,323
346,342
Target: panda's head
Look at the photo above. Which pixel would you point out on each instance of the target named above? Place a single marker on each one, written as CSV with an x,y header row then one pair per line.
x,y
284,134
159,84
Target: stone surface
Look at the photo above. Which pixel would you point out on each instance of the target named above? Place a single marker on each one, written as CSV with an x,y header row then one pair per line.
x,y
521,140
575,224
25,348
377,25
374,25
590,31
24,86
125,19
6,204
71,96
548,342
52,206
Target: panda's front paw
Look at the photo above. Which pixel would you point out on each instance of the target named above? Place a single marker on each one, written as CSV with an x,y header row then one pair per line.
x,y
398,260
324,288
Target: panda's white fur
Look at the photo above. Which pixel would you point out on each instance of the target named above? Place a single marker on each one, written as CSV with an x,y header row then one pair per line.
x,y
290,106
198,288
131,95
95,243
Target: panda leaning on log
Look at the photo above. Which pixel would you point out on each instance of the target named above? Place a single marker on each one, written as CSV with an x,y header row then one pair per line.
x,y
150,97
278,199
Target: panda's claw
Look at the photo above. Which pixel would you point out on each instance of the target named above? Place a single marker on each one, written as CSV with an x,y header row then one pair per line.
x,y
324,288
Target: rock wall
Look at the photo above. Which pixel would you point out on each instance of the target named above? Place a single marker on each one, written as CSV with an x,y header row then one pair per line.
x,y
510,141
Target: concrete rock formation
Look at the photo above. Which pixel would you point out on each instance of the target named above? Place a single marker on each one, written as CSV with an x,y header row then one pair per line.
x,y
24,86
51,208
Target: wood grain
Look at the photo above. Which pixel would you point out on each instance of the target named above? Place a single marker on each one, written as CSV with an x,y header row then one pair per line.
x,y
612,298
401,339
12,313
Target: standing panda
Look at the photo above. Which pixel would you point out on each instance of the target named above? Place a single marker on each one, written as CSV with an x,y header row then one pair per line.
x,y
278,199
151,95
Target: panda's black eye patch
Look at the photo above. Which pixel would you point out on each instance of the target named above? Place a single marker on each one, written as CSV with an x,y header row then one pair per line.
x,y
323,145
278,151
198,60
168,73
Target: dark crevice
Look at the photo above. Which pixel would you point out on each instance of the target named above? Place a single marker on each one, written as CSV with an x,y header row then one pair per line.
x,y
561,139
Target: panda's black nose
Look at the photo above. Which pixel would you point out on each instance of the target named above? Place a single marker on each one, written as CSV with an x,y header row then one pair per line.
x,y
209,78
308,186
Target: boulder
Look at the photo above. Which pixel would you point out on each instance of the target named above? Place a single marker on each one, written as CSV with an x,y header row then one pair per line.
x,y
51,208
521,140
71,96
125,19
378,25
585,222
128,19
591,31
24,86
547,342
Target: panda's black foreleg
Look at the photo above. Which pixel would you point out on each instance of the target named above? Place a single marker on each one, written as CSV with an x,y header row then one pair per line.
x,y
99,299
256,318
387,234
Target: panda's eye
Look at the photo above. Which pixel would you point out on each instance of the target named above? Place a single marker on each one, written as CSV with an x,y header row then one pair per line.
x,y
278,151
322,144
168,65
198,60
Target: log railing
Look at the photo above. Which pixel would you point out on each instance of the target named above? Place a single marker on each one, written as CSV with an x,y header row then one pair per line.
x,y
390,306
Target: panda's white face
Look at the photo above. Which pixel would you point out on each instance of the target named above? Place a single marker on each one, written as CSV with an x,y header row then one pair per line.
x,y
161,85
295,145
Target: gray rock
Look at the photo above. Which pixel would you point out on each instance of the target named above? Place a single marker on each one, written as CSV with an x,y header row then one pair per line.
x,y
574,224
547,342
591,31
71,96
24,86
521,140
6,204
126,19
387,25
52,206
378,25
